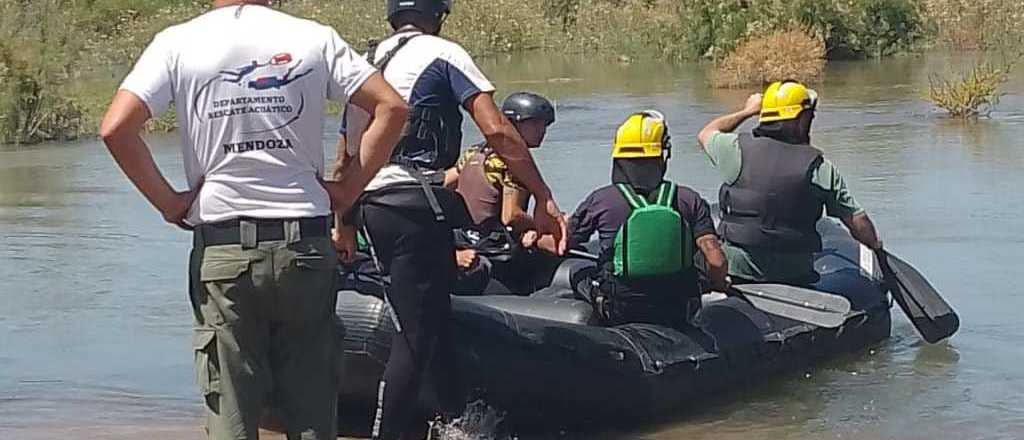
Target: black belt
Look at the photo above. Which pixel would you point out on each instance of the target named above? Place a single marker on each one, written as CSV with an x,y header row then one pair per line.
x,y
229,231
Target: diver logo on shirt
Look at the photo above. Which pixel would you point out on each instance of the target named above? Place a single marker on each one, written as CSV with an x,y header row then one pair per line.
x,y
266,82
258,81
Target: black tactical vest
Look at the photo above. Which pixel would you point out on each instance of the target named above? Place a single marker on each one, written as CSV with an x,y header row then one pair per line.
x,y
771,205
432,136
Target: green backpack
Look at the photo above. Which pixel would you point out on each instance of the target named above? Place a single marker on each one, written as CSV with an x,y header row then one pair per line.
x,y
654,241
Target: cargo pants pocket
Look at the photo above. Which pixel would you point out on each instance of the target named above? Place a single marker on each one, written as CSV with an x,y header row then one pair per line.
x,y
227,287
204,344
222,269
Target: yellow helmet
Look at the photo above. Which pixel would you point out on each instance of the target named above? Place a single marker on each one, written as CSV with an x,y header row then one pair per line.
x,y
643,135
784,101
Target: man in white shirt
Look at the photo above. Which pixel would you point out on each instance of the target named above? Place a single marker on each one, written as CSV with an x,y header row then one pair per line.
x,y
408,216
249,85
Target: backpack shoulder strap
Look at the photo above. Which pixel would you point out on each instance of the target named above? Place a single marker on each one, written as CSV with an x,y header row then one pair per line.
x,y
666,194
634,200
371,49
382,63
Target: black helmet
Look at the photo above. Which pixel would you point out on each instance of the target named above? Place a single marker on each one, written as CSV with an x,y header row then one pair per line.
x,y
525,105
430,8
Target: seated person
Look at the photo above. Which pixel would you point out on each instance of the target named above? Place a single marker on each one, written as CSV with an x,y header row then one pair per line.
x,y
649,231
775,186
498,204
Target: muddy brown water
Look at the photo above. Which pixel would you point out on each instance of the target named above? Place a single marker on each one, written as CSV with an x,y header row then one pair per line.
x,y
94,320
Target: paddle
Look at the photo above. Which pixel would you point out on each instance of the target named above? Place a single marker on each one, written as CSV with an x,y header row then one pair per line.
x,y
796,303
931,315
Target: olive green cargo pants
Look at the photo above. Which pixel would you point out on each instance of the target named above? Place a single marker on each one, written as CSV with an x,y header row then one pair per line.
x,y
265,332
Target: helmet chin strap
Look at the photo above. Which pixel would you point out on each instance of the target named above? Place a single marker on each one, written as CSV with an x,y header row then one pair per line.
x,y
440,22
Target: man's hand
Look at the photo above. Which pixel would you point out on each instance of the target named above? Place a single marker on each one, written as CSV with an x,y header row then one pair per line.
x,y
465,258
344,238
721,285
730,122
550,220
175,209
753,105
529,239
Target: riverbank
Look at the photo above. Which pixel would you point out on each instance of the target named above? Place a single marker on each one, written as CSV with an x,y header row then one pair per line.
x,y
60,60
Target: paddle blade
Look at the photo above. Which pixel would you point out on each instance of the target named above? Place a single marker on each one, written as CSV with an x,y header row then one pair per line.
x,y
808,298
796,303
930,314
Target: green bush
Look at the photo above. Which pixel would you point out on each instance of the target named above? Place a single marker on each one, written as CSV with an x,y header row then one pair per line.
x,y
850,27
971,93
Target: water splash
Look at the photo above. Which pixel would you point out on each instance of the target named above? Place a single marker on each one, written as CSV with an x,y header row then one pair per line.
x,y
478,421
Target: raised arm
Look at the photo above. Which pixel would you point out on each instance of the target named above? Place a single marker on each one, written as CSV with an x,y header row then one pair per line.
x,y
121,130
728,123
507,143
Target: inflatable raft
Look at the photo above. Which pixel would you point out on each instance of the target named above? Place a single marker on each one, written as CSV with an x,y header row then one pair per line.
x,y
538,355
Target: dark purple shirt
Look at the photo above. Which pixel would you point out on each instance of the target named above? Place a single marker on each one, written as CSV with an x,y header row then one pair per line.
x,y
605,211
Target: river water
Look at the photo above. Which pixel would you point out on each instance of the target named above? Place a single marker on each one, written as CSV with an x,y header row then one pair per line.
x,y
95,324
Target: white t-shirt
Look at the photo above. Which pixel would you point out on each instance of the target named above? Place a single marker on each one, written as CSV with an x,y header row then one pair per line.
x,y
428,70
249,86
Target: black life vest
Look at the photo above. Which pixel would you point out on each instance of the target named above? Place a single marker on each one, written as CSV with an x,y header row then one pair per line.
x,y
432,136
771,205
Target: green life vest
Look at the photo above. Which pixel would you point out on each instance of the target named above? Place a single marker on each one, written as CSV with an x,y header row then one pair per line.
x,y
654,241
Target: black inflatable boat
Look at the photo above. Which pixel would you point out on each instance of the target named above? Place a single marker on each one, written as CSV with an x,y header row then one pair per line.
x,y
542,354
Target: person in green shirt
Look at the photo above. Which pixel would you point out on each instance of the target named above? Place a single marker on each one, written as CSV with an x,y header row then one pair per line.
x,y
775,187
